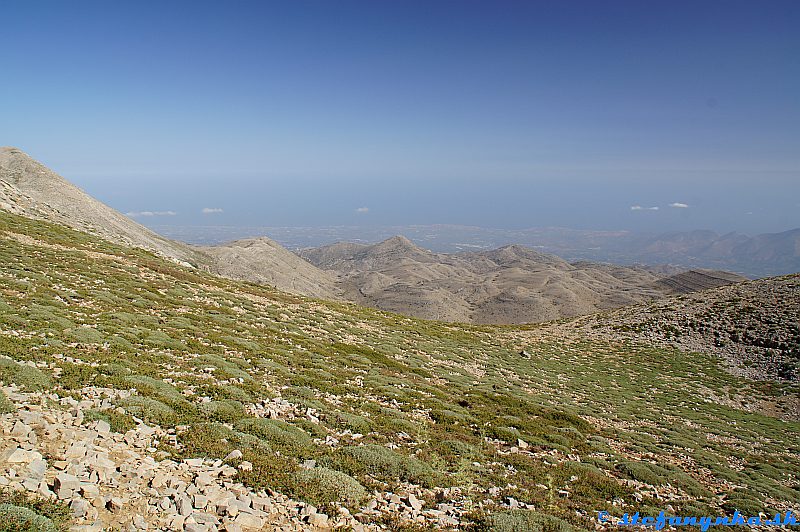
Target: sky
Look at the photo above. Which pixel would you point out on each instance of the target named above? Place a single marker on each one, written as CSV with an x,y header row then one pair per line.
x,y
657,116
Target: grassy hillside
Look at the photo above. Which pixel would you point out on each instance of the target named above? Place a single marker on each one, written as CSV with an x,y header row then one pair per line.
x,y
455,414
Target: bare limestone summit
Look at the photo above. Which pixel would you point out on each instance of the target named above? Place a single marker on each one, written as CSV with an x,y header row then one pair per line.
x,y
29,188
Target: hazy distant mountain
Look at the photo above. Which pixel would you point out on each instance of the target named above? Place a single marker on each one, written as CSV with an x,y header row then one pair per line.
x,y
760,255
512,284
752,256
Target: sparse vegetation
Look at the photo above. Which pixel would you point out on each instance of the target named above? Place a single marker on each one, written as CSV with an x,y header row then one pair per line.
x,y
385,402
6,406
515,520
323,485
23,375
20,512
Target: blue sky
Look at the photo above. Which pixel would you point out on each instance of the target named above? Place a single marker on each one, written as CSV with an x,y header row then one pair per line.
x,y
501,114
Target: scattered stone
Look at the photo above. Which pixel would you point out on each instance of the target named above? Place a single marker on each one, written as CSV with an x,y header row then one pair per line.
x,y
115,504
412,501
65,481
236,454
21,456
20,430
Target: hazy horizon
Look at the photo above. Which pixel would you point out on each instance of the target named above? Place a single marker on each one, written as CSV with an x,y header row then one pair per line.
x,y
613,116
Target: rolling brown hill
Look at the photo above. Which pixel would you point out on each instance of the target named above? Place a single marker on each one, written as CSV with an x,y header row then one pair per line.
x,y
511,284
264,261
696,280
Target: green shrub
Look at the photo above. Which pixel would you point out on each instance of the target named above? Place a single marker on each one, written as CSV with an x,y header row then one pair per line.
x,y
745,505
322,485
225,391
506,434
223,411
84,335
118,422
315,430
23,512
20,519
270,470
527,520
592,483
74,376
656,475
162,340
6,406
643,472
598,444
278,434
456,449
353,422
448,417
22,375
226,368
385,464
120,343
155,388
114,369
216,440
150,410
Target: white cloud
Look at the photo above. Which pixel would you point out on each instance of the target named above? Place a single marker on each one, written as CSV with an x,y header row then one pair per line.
x,y
679,205
212,210
362,210
640,208
138,214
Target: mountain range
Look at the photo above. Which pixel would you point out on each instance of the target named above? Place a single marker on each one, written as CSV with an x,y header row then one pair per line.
x,y
511,284
752,256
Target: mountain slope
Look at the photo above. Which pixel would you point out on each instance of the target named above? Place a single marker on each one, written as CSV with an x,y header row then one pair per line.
x,y
263,261
696,280
511,284
754,326
31,189
27,187
128,381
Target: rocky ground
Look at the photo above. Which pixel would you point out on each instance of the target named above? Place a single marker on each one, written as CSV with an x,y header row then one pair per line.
x,y
122,481
754,327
